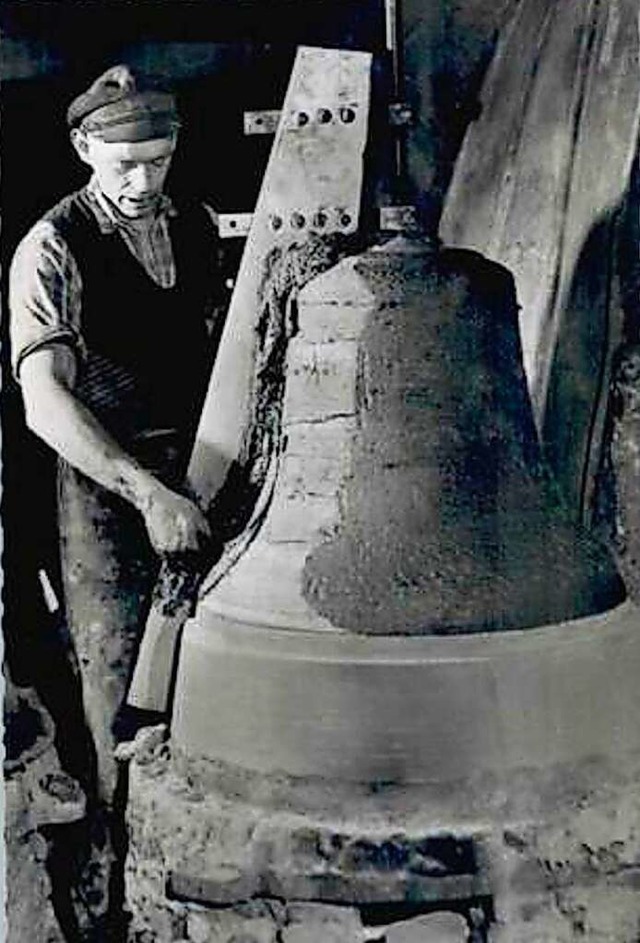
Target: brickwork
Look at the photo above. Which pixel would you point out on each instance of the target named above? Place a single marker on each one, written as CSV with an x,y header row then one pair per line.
x,y
557,858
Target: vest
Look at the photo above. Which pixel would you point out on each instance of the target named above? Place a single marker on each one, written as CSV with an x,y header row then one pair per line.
x,y
148,351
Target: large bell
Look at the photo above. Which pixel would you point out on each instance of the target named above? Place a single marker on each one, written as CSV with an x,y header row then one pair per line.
x,y
405,495
448,520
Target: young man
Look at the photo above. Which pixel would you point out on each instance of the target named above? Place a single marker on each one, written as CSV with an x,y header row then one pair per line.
x,y
113,331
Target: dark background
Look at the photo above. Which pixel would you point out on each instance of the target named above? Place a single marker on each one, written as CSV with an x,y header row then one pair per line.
x,y
222,57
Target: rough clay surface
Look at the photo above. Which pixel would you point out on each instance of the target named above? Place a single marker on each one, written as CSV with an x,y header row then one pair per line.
x,y
622,468
559,855
449,522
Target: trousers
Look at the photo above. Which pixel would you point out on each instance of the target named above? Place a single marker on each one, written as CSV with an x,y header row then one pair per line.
x,y
108,570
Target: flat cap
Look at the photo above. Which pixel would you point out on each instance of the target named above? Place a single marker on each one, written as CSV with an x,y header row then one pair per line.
x,y
119,106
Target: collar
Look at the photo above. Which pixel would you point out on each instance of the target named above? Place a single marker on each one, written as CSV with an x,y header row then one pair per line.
x,y
109,217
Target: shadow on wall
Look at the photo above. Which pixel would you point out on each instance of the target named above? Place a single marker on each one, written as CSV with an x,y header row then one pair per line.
x,y
601,321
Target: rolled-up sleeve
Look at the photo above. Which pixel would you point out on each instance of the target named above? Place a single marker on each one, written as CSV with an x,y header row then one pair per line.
x,y
45,295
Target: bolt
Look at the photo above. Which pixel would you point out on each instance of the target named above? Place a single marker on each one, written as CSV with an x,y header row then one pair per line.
x,y
302,119
324,116
347,115
297,220
276,223
320,220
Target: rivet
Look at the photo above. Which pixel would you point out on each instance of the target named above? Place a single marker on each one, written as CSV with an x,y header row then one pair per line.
x,y
345,220
324,116
276,222
302,118
347,115
320,219
297,220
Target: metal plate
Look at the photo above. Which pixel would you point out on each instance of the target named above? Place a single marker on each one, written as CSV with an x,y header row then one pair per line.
x,y
314,174
392,219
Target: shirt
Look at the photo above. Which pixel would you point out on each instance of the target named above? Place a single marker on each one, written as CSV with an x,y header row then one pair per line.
x,y
45,285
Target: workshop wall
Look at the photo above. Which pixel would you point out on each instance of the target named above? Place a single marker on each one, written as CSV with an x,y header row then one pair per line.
x,y
222,58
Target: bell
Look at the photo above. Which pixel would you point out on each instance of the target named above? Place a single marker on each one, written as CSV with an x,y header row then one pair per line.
x,y
449,521
411,497
405,495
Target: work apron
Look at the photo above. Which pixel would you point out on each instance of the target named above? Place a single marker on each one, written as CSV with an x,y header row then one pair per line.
x,y
108,572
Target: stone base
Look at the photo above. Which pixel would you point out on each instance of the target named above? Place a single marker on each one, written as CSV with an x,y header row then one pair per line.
x,y
269,922
38,795
218,854
29,914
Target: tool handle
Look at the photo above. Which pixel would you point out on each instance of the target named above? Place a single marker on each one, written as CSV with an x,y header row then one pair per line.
x,y
171,606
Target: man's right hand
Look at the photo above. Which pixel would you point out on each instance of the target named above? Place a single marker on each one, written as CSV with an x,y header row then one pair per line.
x,y
174,523
54,413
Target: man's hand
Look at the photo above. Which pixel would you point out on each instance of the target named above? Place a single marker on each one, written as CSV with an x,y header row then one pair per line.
x,y
53,412
174,523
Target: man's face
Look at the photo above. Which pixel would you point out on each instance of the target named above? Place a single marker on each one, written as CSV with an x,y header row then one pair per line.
x,y
131,174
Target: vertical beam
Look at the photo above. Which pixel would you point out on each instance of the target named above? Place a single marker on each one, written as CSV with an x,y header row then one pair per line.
x,y
421,35
312,185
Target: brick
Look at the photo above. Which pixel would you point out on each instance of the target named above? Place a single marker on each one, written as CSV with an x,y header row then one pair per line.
x,y
311,439
322,923
298,518
225,926
312,476
440,927
306,497
334,303
332,321
320,381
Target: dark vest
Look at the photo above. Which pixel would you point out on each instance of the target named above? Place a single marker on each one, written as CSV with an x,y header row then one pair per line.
x,y
149,354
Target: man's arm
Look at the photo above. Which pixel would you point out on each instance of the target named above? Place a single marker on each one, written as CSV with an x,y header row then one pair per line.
x,y
55,414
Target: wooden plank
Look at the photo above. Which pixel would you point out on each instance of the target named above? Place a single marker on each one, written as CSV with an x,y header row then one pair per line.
x,y
539,171
509,191
482,180
577,339
316,166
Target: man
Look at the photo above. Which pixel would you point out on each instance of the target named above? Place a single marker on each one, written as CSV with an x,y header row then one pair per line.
x,y
113,332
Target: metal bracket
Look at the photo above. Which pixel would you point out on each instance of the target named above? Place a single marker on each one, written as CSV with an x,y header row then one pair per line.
x,y
392,219
398,218
400,114
261,122
232,225
266,122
